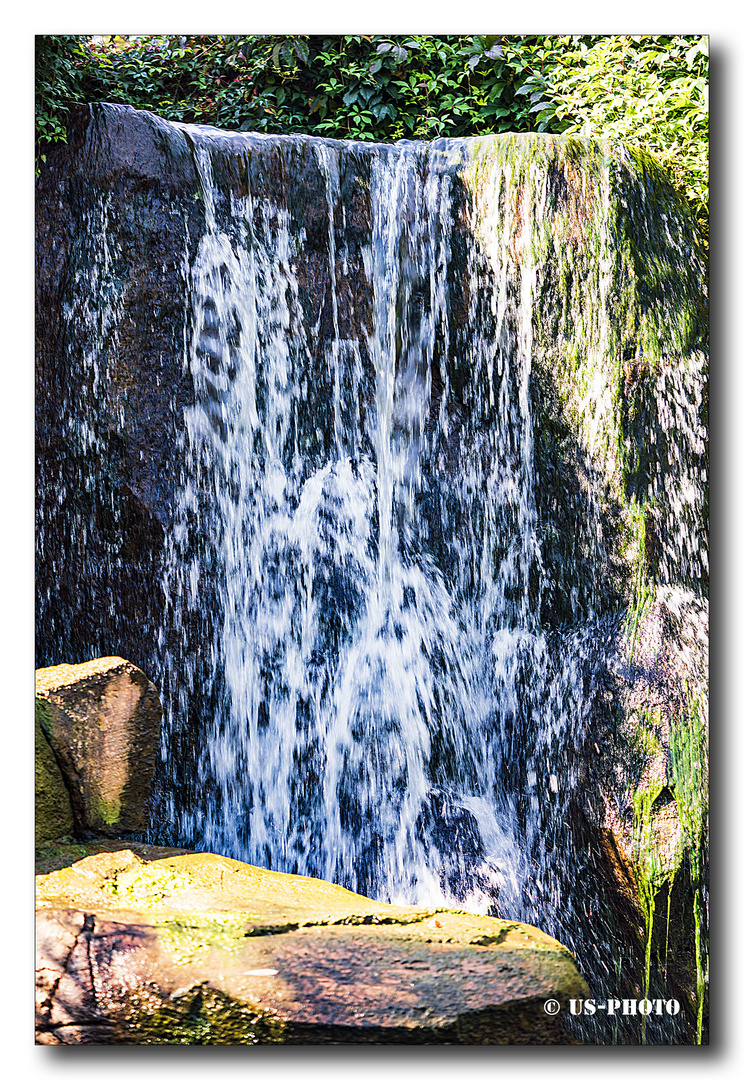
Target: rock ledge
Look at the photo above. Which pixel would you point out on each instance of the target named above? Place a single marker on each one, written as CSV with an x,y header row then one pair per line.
x,y
199,948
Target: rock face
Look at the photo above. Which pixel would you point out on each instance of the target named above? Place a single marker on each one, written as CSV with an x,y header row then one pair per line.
x,y
202,949
664,696
656,794
102,722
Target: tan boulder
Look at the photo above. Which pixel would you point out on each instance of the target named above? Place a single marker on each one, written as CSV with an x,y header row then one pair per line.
x,y
199,948
102,720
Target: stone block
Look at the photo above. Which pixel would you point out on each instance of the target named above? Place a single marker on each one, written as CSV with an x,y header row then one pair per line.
x,y
102,720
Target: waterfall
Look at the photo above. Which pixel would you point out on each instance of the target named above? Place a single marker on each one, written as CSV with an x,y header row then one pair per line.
x,y
348,662
404,502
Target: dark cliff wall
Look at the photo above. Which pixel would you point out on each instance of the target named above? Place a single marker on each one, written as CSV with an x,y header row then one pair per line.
x,y
119,215
111,387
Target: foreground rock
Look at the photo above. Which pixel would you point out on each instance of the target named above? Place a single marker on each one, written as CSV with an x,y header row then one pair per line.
x,y
102,722
202,949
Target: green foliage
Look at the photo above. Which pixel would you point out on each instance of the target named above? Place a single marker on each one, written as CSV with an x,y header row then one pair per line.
x,y
60,61
358,87
649,90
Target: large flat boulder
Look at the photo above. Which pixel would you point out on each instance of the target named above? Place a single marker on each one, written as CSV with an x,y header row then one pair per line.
x,y
102,721
199,948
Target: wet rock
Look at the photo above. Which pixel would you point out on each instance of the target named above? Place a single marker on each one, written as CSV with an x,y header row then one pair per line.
x,y
663,689
102,722
198,948
132,190
656,795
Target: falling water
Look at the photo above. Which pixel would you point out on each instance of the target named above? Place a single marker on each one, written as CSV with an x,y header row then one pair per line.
x,y
351,734
378,664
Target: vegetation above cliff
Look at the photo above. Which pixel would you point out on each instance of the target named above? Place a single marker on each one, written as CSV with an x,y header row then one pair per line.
x,y
650,90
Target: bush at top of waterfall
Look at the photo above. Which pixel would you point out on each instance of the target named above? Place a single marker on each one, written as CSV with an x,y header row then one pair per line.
x,y
651,90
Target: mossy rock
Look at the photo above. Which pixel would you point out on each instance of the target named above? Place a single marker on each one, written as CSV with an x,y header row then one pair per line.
x,y
201,949
53,819
102,720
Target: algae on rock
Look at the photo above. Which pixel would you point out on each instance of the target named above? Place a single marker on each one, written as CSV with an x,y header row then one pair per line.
x,y
53,817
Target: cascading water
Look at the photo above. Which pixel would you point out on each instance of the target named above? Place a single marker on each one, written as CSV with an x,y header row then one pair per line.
x,y
342,651
390,614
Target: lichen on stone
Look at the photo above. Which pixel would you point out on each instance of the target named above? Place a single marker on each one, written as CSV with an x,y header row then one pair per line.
x,y
192,935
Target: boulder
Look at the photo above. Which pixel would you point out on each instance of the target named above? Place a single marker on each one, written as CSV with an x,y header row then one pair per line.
x,y
102,721
199,948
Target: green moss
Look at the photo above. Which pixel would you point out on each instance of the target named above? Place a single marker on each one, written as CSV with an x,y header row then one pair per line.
x,y
199,1016
56,854
659,858
104,810
191,936
147,885
53,817
643,590
650,875
689,757
42,714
